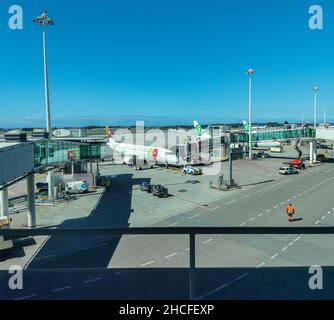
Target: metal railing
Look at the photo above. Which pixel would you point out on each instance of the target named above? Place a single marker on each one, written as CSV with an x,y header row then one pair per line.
x,y
190,231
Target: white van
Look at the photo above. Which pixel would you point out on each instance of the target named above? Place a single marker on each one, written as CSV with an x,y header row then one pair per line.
x,y
77,187
288,170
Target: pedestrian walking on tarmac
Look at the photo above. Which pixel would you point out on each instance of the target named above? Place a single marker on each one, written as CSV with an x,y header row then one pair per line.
x,y
290,211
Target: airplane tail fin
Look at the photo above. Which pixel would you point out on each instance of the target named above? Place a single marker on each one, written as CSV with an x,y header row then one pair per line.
x,y
246,125
198,129
110,140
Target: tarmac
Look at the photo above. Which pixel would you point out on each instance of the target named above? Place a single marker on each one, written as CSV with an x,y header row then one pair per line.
x,y
228,265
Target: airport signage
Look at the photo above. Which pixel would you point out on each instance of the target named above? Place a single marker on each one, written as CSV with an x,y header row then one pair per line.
x,y
73,154
61,133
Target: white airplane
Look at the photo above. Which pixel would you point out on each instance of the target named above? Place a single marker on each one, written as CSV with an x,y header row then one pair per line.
x,y
137,153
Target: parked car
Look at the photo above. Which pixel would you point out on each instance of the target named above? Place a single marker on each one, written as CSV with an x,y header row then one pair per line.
x,y
288,170
159,191
262,154
146,187
191,170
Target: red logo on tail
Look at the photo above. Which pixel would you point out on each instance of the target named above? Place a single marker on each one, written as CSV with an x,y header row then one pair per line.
x,y
109,134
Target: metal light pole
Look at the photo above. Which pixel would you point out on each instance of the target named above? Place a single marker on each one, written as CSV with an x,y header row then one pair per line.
x,y
44,20
250,73
316,90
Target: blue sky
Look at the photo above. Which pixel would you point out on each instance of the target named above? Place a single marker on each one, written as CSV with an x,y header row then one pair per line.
x,y
166,60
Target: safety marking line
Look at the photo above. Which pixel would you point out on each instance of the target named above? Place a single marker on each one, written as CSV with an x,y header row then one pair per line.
x,y
223,286
147,263
46,257
274,256
25,297
193,217
93,280
61,289
172,224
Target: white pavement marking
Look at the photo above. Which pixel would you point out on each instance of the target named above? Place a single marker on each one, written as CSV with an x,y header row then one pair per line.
x,y
250,220
275,207
93,280
134,236
260,215
284,249
47,257
294,197
297,239
274,256
246,196
171,255
172,224
61,289
242,276
187,249
231,202
242,224
25,297
269,210
260,265
274,185
328,213
282,203
324,217
96,246
291,243
223,286
193,217
207,241
118,273
147,263
214,209
317,222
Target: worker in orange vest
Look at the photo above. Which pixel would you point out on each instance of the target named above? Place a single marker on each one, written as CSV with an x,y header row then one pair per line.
x,y
291,211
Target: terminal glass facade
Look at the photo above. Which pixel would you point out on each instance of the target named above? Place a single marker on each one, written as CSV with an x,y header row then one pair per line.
x,y
275,135
62,152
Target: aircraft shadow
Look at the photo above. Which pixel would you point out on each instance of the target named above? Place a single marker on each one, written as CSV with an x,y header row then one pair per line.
x,y
113,210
